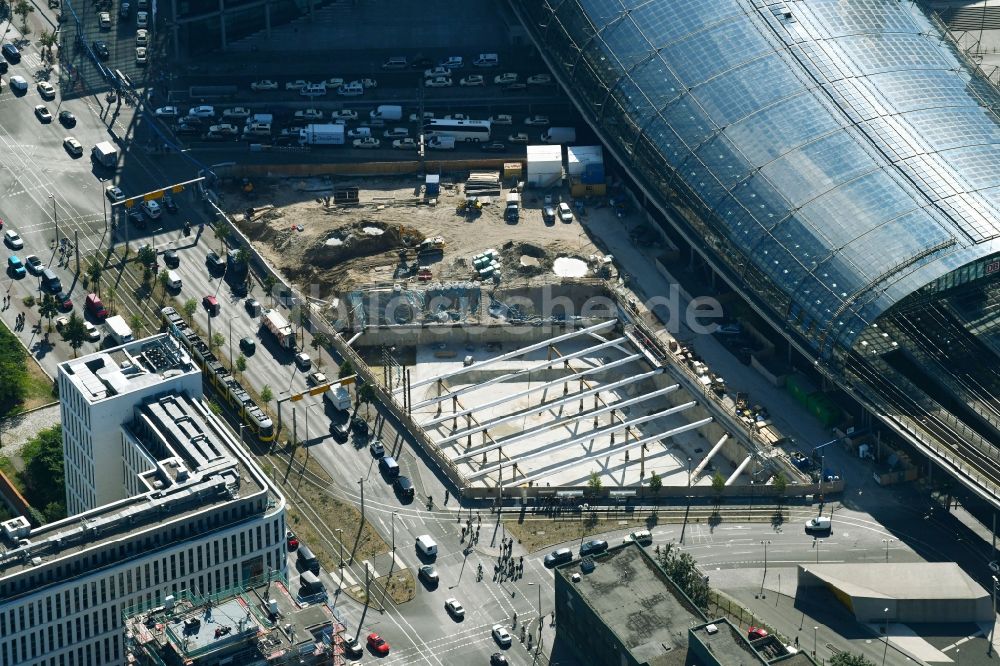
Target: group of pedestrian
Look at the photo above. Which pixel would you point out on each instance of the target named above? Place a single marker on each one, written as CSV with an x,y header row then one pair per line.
x,y
6,301
19,322
507,567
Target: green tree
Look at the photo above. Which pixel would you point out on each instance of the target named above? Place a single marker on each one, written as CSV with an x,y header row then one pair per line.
x,y
241,363
42,476
21,9
594,484
74,333
780,485
48,308
319,341
718,485
190,307
13,371
221,230
164,281
683,571
366,394
47,40
266,394
94,272
346,369
111,303
137,323
243,259
269,283
655,482
848,659
217,340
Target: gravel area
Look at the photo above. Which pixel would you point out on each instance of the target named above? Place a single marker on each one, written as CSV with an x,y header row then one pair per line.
x,y
15,431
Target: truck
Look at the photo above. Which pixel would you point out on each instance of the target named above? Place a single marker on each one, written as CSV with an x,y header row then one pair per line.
x,y
513,209
279,327
441,143
260,119
387,112
105,154
339,398
321,135
559,135
116,329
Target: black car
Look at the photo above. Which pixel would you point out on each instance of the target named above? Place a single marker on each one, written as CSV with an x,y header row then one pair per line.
x,y
248,346
11,53
515,86
404,487
360,428
422,63
593,547
67,118
186,129
169,203
429,574
101,50
558,557
3,66
137,217
498,659
340,431
549,214
214,261
495,147
171,259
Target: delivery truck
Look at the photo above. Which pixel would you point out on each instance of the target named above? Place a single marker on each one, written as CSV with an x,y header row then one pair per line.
x,y
279,328
559,135
321,135
105,154
385,112
339,398
116,329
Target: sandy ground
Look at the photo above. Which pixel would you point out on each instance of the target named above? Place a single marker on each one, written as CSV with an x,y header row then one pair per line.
x,y
344,247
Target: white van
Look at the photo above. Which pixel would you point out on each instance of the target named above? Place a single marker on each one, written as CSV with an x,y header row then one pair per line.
x,y
260,119
173,281
819,524
257,129
487,60
427,545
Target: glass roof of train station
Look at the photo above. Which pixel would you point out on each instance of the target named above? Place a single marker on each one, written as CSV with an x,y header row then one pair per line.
x,y
842,154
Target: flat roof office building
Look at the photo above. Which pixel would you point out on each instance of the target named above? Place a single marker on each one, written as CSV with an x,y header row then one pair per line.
x,y
195,514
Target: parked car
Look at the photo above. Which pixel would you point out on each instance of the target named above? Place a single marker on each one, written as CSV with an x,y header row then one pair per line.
x,y
12,240
502,119
549,214
593,547
536,120
493,147
436,71
297,84
438,82
376,448
140,55
202,111
73,147
11,53
352,647
34,264
236,113
265,84
15,267
334,82
101,49
344,114
90,332
167,112
515,86
472,80
539,80
505,79
565,212
367,142
64,301
405,144
309,114
114,193
520,137
559,556
142,37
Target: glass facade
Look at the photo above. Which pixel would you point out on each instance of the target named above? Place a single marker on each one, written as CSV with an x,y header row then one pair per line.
x,y
836,155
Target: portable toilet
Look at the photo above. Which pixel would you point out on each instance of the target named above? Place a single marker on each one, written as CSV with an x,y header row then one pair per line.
x,y
433,184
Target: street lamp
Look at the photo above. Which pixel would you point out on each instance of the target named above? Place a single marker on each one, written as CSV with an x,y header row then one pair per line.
x,y
887,542
815,640
55,217
540,614
689,471
231,337
996,583
819,542
340,542
315,404
394,535
764,543
885,651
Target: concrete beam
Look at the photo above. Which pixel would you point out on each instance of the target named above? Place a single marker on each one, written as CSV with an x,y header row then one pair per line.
x,y
739,470
711,454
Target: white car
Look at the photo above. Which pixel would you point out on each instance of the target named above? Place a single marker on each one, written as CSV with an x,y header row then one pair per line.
x,y
114,193
19,83
90,331
334,82
500,635
73,147
520,137
473,80
265,84
436,71
309,114
359,133
298,84
502,119
367,142
104,18
565,212
142,19
396,133
202,111
236,113
505,79
152,209
343,114
141,37
45,90
225,129
167,112
369,83
438,82
539,80
454,608
415,117
140,55
536,120
405,144
14,241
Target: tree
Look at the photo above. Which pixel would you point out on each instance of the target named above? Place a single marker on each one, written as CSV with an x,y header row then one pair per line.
x,y
655,482
217,340
13,371
74,333
221,230
269,283
94,272
241,363
319,341
848,659
266,394
190,307
21,9
48,308
780,485
137,323
47,40
594,484
243,259
110,292
683,571
42,476
366,394
164,281
718,485
346,369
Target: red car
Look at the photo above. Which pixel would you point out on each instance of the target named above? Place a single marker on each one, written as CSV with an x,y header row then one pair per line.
x,y
291,540
377,644
211,303
756,632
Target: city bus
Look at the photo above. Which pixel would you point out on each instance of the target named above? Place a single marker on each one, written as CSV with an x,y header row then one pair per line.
x,y
461,130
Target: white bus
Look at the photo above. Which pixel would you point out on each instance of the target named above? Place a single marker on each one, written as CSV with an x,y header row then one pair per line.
x,y
460,130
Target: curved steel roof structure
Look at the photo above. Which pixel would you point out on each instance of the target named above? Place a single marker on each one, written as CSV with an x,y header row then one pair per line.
x,y
837,155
